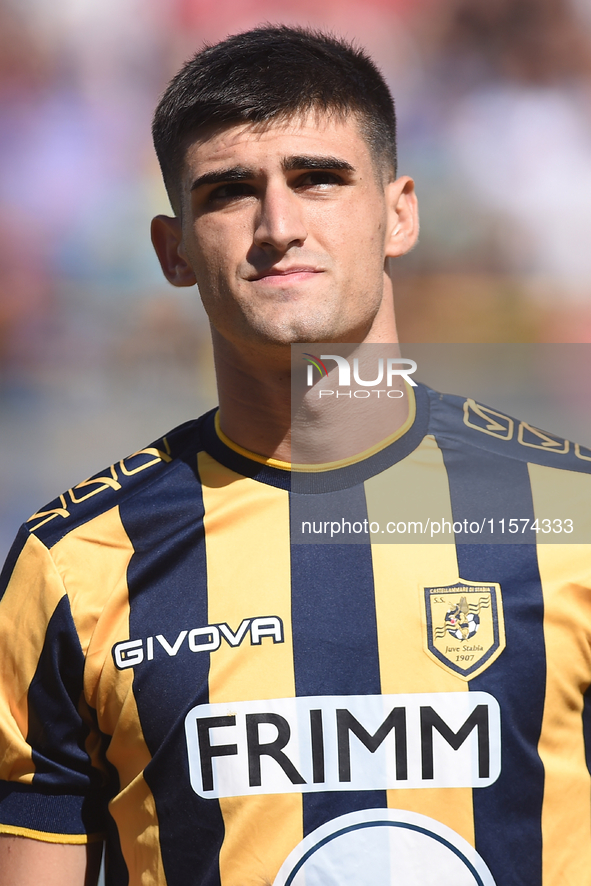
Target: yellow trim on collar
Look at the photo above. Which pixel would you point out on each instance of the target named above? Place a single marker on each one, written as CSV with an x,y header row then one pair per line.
x,y
331,465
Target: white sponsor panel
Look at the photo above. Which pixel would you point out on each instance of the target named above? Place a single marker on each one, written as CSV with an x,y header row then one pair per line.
x,y
344,743
384,847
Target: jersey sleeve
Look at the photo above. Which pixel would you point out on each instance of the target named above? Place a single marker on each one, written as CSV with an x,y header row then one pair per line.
x,y
49,788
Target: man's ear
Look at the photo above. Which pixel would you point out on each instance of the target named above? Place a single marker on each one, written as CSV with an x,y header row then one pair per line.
x,y
167,239
403,216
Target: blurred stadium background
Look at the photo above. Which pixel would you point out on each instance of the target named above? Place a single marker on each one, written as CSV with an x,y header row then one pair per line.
x,y
98,355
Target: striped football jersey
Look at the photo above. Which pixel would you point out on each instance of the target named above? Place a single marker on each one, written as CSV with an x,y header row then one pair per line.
x,y
198,669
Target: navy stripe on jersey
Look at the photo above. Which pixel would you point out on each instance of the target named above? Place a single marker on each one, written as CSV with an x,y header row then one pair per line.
x,y
517,679
115,866
168,594
334,617
56,731
13,555
485,486
309,513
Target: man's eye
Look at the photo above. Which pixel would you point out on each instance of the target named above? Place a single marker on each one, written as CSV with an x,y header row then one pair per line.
x,y
230,191
320,177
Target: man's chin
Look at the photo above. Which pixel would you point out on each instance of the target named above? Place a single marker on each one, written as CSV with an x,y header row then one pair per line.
x,y
307,330
299,335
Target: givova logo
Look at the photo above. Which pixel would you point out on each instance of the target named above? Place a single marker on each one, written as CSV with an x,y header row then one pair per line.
x,y
383,847
344,743
130,653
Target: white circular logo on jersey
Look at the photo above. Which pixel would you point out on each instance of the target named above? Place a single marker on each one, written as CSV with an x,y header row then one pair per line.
x,y
384,847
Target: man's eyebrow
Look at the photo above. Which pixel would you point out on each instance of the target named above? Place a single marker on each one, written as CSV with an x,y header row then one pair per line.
x,y
290,164
306,161
219,176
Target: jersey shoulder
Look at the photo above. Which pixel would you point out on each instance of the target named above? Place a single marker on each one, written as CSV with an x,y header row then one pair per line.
x,y
117,483
465,423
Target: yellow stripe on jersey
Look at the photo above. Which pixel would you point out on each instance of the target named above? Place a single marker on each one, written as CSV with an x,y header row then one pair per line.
x,y
418,489
248,575
96,587
26,617
566,810
134,811
98,595
560,496
414,490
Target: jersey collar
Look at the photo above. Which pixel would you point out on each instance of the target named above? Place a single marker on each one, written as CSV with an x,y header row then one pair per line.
x,y
320,478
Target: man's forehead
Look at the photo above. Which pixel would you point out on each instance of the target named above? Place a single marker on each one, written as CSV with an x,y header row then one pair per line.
x,y
279,135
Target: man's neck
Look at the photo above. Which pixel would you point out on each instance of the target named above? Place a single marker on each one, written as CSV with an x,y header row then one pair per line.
x,y
257,407
255,404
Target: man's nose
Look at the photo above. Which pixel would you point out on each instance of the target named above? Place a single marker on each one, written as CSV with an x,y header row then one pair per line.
x,y
280,222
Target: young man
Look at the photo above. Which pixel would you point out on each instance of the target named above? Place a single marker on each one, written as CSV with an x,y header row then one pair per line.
x,y
224,704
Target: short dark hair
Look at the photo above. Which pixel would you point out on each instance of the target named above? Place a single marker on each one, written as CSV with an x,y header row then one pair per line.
x,y
272,72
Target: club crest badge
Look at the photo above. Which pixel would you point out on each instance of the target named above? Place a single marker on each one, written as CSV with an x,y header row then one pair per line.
x,y
464,627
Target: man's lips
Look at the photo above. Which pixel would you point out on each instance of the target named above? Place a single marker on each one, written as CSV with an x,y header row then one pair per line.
x,y
286,275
